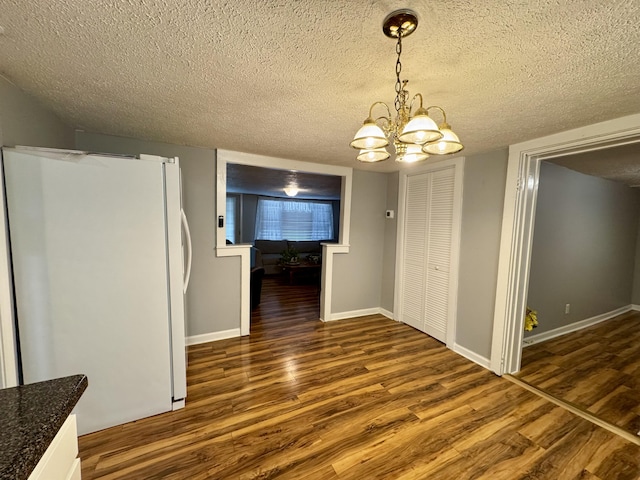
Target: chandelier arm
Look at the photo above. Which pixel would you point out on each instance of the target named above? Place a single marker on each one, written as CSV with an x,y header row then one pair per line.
x,y
441,110
414,97
386,119
385,106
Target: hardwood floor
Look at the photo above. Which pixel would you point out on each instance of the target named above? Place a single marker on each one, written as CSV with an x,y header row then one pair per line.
x,y
366,398
597,369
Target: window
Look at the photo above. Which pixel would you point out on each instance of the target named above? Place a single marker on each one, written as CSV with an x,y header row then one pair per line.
x,y
282,219
232,218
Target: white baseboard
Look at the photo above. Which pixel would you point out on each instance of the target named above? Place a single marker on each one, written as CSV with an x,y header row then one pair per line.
x,y
359,313
473,356
212,337
387,314
635,307
573,327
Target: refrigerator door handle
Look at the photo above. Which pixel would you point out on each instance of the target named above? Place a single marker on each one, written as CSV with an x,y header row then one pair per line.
x,y
187,233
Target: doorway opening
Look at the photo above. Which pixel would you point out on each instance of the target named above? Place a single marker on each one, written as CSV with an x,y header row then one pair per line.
x,y
521,189
514,270
584,266
332,184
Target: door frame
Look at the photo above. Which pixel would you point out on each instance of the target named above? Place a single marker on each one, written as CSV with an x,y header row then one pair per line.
x,y
243,250
432,166
521,191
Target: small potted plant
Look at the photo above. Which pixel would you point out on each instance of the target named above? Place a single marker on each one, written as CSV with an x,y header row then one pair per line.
x,y
289,256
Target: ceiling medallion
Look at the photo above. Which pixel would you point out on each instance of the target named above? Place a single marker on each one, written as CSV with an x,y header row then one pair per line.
x,y
413,133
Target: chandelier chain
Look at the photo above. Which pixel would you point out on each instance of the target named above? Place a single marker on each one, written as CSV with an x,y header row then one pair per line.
x,y
398,102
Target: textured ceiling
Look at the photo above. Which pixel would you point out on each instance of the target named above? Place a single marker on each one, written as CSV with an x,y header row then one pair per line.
x,y
294,79
621,164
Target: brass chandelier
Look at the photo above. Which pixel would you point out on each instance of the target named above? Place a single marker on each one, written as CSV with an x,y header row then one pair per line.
x,y
414,134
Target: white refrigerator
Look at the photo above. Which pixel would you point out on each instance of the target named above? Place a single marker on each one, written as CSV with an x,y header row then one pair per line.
x,y
98,265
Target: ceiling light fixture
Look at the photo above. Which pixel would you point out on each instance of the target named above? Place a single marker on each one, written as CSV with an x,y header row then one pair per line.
x,y
414,134
291,190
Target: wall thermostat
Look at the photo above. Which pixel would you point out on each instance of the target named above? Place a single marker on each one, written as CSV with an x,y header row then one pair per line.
x,y
390,214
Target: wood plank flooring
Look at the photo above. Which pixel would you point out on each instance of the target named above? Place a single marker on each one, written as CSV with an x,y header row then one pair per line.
x,y
365,398
597,369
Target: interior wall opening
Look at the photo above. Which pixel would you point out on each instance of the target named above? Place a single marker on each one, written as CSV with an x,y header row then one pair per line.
x,y
286,216
303,212
521,188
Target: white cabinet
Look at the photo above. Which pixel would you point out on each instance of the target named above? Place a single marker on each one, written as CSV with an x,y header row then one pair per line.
x,y
60,461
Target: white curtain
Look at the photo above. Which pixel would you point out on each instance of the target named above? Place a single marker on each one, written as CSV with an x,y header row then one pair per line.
x,y
231,218
282,219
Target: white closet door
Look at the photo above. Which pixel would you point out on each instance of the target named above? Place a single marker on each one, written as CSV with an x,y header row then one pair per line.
x,y
428,236
438,239
413,278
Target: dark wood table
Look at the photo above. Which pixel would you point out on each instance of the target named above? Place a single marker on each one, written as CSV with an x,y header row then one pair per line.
x,y
302,267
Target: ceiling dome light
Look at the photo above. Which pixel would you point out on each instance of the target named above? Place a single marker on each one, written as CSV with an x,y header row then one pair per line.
x,y
373,155
449,143
291,191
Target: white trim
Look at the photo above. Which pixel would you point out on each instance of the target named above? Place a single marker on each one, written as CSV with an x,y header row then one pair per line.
x,y
226,156
635,307
521,190
386,313
326,280
213,336
431,166
244,252
469,355
8,350
573,327
358,313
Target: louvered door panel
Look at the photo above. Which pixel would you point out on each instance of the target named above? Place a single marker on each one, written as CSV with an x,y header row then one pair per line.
x,y
414,263
438,253
428,235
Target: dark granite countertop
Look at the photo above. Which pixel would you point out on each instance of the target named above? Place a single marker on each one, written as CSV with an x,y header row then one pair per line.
x,y
30,416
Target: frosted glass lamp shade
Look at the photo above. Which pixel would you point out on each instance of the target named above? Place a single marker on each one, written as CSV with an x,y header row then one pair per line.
x,y
291,191
412,154
449,143
420,129
373,155
369,137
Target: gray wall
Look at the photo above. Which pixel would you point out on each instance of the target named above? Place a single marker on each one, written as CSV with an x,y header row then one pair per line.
x,y
389,253
364,278
249,209
357,275
483,198
584,247
213,298
23,121
635,295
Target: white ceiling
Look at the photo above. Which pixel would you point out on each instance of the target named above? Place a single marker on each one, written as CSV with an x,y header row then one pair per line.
x,y
294,79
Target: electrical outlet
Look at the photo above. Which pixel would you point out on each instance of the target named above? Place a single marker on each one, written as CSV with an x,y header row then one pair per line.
x,y
567,309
